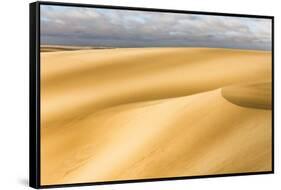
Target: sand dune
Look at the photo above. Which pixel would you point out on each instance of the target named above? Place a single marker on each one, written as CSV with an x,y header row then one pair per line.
x,y
105,78
117,114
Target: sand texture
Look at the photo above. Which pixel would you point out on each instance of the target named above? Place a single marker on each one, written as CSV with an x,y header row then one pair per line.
x,y
138,113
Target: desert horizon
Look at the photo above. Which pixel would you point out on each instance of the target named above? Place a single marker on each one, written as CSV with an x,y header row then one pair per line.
x,y
61,47
139,113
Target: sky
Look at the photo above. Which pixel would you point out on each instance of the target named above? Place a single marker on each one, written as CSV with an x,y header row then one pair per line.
x,y
80,26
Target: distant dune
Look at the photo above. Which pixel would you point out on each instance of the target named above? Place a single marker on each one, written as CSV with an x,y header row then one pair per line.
x,y
119,114
54,48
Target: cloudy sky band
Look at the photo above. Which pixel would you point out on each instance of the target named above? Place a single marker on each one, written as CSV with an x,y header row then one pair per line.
x,y
64,25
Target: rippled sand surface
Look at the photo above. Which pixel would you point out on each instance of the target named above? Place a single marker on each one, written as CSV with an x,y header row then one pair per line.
x,y
138,113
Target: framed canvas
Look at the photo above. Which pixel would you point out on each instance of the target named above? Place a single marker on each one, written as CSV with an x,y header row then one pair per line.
x,y
126,94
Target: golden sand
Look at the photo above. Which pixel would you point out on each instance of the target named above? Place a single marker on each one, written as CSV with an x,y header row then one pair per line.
x,y
119,114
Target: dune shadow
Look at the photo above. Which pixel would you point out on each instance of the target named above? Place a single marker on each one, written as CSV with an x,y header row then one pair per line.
x,y
254,95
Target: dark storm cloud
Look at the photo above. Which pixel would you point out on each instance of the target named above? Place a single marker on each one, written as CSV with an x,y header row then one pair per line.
x,y
123,28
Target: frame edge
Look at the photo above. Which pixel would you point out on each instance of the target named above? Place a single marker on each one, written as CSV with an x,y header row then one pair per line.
x,y
34,134
34,142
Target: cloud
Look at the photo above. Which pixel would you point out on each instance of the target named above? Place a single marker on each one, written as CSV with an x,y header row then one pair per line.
x,y
125,28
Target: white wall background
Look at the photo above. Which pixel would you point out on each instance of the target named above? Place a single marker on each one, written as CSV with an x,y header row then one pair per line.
x,y
14,48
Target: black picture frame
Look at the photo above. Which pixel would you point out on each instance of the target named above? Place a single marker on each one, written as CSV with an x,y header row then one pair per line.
x,y
34,92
